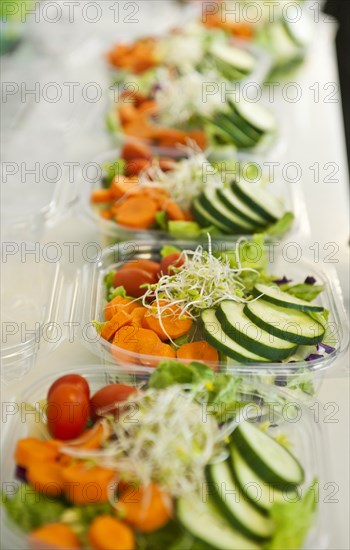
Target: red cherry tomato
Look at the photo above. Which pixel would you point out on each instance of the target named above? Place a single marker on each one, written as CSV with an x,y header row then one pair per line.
x,y
108,396
67,411
172,260
131,279
146,265
74,379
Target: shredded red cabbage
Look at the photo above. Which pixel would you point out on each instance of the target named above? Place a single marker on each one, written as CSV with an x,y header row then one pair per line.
x,y
325,348
310,280
283,281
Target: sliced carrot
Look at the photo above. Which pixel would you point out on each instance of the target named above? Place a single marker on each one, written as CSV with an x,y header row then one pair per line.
x,y
160,351
199,137
198,351
45,477
133,150
137,316
156,193
140,128
125,339
173,210
149,107
137,212
119,319
30,451
127,112
109,533
106,214
99,196
146,509
90,439
169,136
54,535
135,166
86,485
122,185
171,326
167,164
126,304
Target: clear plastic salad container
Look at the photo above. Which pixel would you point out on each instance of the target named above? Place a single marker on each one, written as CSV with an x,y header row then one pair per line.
x,y
110,232
91,299
294,420
30,311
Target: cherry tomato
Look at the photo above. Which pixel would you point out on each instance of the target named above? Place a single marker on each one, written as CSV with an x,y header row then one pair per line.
x,y
74,379
172,260
67,411
108,396
132,278
146,265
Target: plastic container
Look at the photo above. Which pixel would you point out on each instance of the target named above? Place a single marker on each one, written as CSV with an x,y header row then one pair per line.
x,y
91,300
304,433
110,232
31,310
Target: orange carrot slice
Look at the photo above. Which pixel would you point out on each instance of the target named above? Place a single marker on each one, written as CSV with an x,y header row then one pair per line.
x,y
137,212
46,478
174,327
119,319
109,533
198,351
148,509
30,451
54,535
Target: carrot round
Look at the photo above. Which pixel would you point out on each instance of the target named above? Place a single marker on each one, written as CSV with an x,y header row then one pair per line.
x,y
137,212
135,166
170,325
108,533
30,451
135,150
125,304
198,351
122,185
46,478
161,351
146,509
102,196
119,319
137,316
90,439
54,535
173,210
86,485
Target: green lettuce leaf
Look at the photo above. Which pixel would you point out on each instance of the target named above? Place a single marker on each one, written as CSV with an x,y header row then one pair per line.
x,y
304,291
181,229
293,520
112,169
282,225
29,509
172,372
169,249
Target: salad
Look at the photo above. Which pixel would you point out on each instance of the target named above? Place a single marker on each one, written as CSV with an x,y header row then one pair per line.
x,y
221,308
97,480
187,196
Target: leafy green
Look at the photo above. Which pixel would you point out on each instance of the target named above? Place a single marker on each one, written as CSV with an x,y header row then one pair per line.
x,y
169,249
109,282
282,225
29,509
222,395
181,229
304,291
119,291
99,326
171,372
112,122
293,520
162,220
111,170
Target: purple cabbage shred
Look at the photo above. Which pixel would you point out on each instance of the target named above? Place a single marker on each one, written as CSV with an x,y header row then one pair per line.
x,y
283,281
310,280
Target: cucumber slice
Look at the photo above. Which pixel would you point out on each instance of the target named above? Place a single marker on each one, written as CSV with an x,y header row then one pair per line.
x,y
240,59
260,118
276,296
220,341
260,494
201,519
289,324
244,126
230,501
270,460
229,197
259,199
241,140
219,211
202,216
241,329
